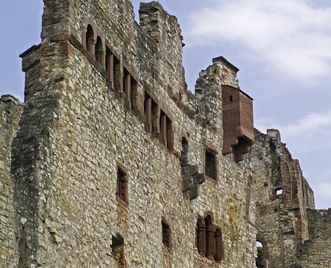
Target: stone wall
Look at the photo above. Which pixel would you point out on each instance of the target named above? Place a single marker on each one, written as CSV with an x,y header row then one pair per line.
x,y
78,133
316,251
283,196
10,112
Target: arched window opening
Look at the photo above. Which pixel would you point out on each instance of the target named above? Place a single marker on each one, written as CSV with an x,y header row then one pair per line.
x,y
99,53
90,39
262,255
209,239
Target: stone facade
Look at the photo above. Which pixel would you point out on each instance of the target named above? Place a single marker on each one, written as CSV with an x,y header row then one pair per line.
x,y
316,251
116,164
285,217
114,152
10,112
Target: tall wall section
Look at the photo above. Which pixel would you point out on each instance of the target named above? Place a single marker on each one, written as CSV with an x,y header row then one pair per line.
x,y
10,113
282,199
316,251
87,126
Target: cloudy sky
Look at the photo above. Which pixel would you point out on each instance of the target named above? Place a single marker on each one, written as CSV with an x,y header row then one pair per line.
x,y
283,50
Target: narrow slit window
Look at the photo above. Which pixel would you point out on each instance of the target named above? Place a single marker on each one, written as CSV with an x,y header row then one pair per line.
x,y
122,185
90,39
110,66
148,112
99,54
127,88
170,134
118,247
210,164
166,239
117,74
134,94
163,127
155,117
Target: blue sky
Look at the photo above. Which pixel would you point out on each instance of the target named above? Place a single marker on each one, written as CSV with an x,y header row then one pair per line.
x,y
283,50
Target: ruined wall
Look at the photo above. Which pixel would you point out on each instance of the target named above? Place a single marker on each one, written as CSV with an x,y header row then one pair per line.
x,y
283,196
10,112
316,251
78,130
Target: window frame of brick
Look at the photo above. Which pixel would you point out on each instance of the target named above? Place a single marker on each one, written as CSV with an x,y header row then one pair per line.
x,y
209,239
110,66
219,255
163,127
122,184
148,111
127,87
99,53
117,74
89,36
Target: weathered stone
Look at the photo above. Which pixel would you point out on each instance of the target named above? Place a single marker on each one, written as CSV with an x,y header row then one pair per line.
x,y
111,146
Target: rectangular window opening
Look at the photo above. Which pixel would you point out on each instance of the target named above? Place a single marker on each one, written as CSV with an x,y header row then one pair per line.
x,y
166,234
278,191
110,66
170,134
127,88
122,185
117,74
118,247
148,111
210,165
163,127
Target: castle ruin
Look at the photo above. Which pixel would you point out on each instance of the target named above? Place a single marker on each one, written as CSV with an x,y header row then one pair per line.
x,y
112,162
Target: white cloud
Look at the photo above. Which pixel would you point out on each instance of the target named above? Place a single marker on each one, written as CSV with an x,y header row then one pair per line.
x,y
324,197
313,131
290,35
310,125
308,139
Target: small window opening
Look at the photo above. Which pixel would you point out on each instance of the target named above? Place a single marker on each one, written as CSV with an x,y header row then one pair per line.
x,y
90,39
166,239
201,236
262,255
134,94
231,98
163,127
110,66
278,191
209,240
127,88
118,247
219,256
117,74
155,117
210,165
184,153
148,112
170,134
122,185
99,54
